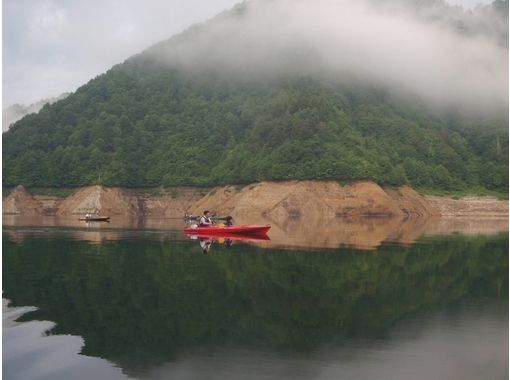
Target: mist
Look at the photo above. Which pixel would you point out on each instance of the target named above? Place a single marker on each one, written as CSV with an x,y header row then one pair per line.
x,y
445,56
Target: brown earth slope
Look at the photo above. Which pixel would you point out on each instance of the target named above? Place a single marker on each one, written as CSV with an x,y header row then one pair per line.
x,y
169,204
20,202
103,200
315,200
490,207
98,200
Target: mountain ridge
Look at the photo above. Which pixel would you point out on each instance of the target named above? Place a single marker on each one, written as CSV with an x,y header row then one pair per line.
x,y
145,123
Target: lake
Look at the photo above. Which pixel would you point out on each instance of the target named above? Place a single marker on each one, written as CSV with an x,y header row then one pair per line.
x,y
149,304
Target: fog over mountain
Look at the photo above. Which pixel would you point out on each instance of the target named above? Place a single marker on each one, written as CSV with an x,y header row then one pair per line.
x,y
15,112
442,54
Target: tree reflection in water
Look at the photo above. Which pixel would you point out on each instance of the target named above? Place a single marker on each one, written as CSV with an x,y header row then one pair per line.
x,y
157,300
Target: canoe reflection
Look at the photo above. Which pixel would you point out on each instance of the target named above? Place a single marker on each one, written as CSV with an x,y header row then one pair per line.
x,y
226,239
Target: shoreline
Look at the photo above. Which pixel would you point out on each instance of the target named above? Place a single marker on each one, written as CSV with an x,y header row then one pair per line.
x,y
311,214
280,200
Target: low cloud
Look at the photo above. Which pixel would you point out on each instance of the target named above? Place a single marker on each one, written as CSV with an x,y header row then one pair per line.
x,y
444,55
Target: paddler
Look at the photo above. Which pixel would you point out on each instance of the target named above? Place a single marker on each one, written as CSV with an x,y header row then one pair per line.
x,y
205,221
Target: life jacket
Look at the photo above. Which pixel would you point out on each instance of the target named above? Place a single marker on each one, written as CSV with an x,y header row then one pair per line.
x,y
204,221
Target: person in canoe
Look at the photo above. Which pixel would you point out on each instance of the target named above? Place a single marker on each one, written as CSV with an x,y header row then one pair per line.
x,y
205,220
229,221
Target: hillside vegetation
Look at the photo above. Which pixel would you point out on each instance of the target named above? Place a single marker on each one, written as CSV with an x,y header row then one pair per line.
x,y
146,124
16,111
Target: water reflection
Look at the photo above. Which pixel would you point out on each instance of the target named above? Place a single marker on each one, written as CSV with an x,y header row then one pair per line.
x,y
228,240
29,353
463,343
116,222
329,233
161,308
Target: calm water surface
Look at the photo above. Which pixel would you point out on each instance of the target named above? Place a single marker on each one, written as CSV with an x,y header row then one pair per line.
x,y
153,306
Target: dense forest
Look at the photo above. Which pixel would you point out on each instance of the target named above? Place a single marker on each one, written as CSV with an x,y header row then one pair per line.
x,y
144,124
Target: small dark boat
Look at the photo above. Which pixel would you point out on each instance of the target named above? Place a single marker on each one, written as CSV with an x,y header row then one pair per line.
x,y
96,219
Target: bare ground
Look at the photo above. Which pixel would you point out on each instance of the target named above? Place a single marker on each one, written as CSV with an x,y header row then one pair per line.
x,y
471,206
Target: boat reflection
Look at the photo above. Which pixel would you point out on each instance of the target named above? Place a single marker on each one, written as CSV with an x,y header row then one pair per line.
x,y
206,241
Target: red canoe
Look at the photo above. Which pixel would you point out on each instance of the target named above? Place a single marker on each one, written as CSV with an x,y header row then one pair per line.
x,y
215,230
238,236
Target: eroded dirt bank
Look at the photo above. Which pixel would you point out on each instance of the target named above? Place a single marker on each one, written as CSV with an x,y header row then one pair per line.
x,y
313,201
21,202
104,201
481,207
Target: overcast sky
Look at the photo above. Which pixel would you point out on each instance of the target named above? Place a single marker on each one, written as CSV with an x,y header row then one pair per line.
x,y
55,46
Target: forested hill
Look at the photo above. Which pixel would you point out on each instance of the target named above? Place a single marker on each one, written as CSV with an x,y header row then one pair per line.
x,y
144,123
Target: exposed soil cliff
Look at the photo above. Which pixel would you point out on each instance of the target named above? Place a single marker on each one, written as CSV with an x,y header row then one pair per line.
x,y
98,200
315,201
169,204
103,200
481,207
20,202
